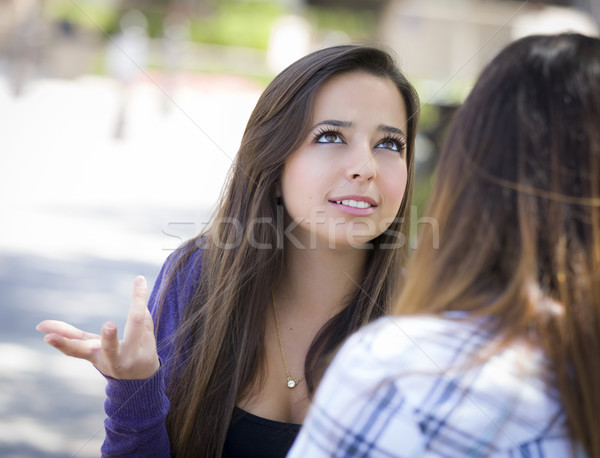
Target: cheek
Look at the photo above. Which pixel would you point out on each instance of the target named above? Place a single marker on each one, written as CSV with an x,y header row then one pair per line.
x,y
291,179
297,183
304,174
395,184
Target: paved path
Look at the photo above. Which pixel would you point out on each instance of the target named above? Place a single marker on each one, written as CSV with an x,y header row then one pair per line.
x,y
83,213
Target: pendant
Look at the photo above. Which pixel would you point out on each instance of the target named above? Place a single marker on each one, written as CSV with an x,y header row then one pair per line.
x,y
291,383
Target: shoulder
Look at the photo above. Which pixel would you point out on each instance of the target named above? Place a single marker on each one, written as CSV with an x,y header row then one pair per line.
x,y
397,355
175,286
420,343
185,263
179,276
424,372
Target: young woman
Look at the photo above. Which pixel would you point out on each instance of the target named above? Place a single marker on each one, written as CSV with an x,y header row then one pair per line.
x,y
306,247
500,357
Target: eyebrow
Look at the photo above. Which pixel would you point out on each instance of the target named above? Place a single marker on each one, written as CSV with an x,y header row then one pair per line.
x,y
335,122
391,130
381,127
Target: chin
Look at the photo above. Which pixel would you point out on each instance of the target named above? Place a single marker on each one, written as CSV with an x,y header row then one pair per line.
x,y
354,241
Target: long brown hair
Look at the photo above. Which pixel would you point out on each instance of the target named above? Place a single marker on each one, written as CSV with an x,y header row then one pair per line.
x,y
220,338
517,200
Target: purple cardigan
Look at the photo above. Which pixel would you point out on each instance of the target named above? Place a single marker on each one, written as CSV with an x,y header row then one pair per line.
x,y
136,409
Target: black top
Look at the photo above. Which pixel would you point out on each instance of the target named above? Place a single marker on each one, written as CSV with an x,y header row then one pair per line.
x,y
251,436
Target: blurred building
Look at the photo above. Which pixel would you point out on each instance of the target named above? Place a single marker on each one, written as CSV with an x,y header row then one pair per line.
x,y
447,43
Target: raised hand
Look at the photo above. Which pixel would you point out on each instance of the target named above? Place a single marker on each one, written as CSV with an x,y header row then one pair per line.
x,y
132,358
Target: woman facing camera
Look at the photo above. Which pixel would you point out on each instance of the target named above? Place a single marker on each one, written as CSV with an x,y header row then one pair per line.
x,y
306,247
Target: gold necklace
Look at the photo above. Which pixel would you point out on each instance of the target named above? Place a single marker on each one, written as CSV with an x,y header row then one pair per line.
x,y
291,383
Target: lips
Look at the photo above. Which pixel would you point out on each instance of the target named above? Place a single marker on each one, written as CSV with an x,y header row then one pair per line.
x,y
354,201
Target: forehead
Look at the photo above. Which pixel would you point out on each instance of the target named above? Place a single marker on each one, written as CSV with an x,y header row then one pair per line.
x,y
358,95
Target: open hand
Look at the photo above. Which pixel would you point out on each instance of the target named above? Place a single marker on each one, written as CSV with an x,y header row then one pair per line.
x,y
132,358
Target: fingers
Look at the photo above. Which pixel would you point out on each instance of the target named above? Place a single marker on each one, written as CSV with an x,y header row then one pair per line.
x,y
134,357
136,319
110,340
84,349
64,329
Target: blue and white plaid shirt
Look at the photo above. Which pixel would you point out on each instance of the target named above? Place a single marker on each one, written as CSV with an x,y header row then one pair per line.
x,y
408,387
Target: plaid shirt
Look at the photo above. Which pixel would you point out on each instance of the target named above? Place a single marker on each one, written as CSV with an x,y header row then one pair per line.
x,y
408,387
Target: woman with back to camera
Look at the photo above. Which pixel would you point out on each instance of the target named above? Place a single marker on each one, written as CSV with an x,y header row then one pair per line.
x,y
306,247
496,351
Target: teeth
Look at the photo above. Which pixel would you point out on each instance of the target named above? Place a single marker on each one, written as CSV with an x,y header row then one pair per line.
x,y
354,203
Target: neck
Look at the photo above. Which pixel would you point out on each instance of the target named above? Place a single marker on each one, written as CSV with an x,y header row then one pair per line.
x,y
319,282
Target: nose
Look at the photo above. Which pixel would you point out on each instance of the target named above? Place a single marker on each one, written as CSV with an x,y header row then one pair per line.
x,y
362,166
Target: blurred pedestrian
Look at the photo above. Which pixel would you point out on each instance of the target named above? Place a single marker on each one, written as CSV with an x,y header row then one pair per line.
x,y
126,60
496,351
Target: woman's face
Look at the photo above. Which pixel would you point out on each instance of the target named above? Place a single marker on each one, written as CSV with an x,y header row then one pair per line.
x,y
344,185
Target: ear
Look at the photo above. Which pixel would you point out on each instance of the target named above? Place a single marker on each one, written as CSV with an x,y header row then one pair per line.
x,y
278,190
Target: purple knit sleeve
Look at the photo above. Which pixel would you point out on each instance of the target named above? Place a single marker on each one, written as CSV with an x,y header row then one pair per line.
x,y
137,409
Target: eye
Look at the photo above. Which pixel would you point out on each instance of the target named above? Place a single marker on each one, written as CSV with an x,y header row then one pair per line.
x,y
328,136
393,144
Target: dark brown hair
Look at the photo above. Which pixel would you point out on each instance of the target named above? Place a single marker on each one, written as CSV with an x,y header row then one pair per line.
x,y
221,335
517,200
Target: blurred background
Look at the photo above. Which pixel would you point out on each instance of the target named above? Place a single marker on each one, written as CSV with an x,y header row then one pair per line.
x,y
118,123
